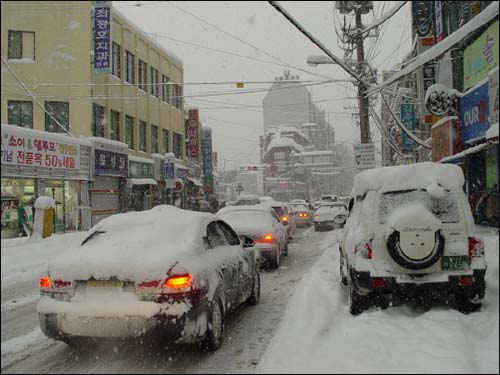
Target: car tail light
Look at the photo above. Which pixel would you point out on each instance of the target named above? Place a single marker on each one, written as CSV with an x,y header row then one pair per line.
x,y
377,283
178,282
284,218
364,249
45,282
465,280
476,248
267,238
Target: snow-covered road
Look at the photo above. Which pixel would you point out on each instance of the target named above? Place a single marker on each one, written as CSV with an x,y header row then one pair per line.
x,y
26,350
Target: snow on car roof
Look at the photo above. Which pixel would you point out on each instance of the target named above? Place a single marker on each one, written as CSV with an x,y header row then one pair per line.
x,y
404,177
135,245
256,207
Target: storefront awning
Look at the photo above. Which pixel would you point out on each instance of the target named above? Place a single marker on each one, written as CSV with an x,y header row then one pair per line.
x,y
141,181
195,181
460,157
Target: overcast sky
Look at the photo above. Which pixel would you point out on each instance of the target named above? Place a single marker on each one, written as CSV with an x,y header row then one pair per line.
x,y
236,131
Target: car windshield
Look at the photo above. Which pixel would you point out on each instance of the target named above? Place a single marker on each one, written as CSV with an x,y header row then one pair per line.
x,y
445,208
300,207
330,207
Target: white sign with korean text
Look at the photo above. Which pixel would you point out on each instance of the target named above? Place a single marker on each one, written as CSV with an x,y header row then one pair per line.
x,y
364,155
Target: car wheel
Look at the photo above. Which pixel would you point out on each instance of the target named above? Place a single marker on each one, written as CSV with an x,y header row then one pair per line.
x,y
255,296
357,302
343,277
466,305
215,328
277,260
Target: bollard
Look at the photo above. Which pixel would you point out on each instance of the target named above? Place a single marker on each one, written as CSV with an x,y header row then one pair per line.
x,y
43,222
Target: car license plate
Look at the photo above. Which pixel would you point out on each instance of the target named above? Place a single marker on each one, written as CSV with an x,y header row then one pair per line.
x,y
455,263
104,284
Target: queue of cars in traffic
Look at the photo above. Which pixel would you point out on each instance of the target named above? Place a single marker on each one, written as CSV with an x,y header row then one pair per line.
x,y
174,275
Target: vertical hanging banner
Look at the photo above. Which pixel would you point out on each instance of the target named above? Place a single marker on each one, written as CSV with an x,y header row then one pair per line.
x,y
170,170
193,133
438,6
206,151
409,121
102,36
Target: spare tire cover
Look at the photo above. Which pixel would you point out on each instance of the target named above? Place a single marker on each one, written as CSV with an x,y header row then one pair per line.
x,y
414,240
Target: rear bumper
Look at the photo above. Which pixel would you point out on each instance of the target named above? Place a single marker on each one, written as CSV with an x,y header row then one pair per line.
x,y
365,284
58,320
266,252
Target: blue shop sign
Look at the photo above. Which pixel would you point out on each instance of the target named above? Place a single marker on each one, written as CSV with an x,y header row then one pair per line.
x,y
409,121
474,120
111,163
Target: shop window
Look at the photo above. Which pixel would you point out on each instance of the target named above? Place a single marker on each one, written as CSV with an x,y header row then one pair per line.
x,y
178,145
21,45
20,113
165,89
17,206
117,61
130,67
129,132
142,81
114,130
65,195
177,99
154,82
142,136
164,140
98,120
60,112
154,138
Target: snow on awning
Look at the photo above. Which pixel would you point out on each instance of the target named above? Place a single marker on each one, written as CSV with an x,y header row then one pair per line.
x,y
195,181
472,150
141,181
492,132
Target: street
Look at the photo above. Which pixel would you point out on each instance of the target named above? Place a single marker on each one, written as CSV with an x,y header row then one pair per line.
x,y
248,332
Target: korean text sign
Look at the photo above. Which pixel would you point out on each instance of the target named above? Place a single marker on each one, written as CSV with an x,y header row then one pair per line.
x,y
474,107
20,148
102,36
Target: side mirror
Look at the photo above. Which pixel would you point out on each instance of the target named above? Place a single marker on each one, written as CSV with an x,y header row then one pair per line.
x,y
248,242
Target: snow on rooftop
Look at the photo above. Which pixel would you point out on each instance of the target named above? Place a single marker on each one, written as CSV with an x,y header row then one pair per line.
x,y
283,142
403,177
108,142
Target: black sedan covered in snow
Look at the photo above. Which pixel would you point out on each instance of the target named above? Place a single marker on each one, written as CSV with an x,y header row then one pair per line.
x,y
165,273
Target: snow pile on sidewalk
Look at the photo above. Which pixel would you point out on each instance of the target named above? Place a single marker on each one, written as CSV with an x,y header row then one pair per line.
x,y
318,335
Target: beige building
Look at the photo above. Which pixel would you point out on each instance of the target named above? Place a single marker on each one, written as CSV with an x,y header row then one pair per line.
x,y
48,46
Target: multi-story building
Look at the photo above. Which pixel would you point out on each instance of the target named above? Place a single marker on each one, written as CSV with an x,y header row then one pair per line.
x,y
49,84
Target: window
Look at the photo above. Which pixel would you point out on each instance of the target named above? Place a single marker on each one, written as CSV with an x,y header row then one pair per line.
x,y
177,98
214,236
130,66
98,120
143,75
154,138
117,62
165,89
231,237
142,135
154,83
164,140
21,45
114,129
59,111
129,131
20,113
178,141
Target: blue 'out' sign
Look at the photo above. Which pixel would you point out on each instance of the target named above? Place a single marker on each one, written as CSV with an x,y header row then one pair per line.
x,y
474,107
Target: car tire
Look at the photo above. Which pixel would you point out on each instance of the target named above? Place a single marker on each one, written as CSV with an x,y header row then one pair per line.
x,y
275,263
215,326
255,296
357,302
466,305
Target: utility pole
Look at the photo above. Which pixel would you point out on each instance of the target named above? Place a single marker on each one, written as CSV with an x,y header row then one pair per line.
x,y
362,98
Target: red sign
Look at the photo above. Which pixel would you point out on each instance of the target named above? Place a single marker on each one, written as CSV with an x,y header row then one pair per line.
x,y
193,133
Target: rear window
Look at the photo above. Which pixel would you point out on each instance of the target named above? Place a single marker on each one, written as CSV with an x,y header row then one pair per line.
x,y
300,207
445,209
247,202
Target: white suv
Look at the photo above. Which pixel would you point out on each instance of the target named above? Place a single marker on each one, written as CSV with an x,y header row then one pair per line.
x,y
409,237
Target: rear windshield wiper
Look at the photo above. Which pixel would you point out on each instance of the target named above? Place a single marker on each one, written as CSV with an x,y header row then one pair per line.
x,y
92,236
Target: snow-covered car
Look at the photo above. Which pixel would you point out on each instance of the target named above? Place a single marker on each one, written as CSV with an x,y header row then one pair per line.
x,y
330,216
302,215
246,200
163,273
410,236
261,224
329,198
282,210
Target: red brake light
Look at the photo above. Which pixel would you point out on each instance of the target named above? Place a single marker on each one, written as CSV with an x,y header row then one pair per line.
x,y
465,280
178,281
364,249
377,283
45,282
284,218
268,238
476,248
